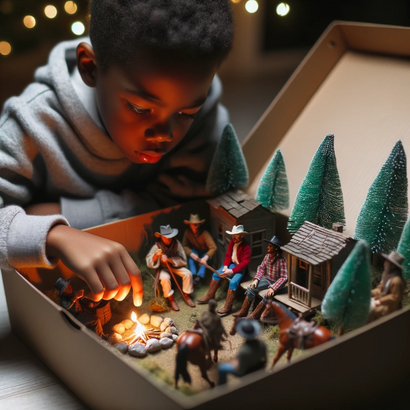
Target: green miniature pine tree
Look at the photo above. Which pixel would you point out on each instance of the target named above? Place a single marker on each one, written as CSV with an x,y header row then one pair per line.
x,y
228,168
273,190
384,212
347,300
320,198
404,249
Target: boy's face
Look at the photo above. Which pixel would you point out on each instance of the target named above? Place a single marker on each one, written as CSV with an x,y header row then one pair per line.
x,y
148,109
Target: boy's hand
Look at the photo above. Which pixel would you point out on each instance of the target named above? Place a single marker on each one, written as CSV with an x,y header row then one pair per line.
x,y
104,265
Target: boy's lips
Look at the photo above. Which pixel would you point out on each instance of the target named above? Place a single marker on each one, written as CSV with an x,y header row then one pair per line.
x,y
150,157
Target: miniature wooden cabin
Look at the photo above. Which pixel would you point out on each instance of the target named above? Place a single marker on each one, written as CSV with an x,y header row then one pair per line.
x,y
238,208
314,256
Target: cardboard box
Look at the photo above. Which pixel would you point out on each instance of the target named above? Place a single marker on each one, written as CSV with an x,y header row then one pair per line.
x,y
367,366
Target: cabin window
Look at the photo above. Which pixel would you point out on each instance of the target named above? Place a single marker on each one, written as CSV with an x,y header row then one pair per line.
x,y
302,273
318,275
257,243
220,232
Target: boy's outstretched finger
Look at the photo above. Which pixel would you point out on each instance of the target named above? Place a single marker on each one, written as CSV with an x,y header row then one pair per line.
x,y
135,276
96,287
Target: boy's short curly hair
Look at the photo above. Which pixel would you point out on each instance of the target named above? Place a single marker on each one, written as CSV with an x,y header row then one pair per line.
x,y
187,30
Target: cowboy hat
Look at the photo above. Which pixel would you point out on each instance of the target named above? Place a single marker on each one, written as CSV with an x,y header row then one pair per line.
x,y
237,230
248,328
395,258
274,241
167,231
194,219
61,284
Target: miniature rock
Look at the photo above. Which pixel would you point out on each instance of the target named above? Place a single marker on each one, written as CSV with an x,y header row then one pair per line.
x,y
153,346
128,323
166,323
174,338
156,320
114,338
122,347
172,329
165,334
137,350
119,328
144,319
166,343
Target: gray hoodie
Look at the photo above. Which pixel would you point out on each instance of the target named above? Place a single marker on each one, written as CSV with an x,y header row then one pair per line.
x,y
54,148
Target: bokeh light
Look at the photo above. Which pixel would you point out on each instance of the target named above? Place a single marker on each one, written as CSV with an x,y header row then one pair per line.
x,y
282,9
235,1
78,28
70,7
50,11
251,6
29,21
5,48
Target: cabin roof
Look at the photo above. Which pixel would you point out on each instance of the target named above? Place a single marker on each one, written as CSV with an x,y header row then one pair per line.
x,y
236,203
315,244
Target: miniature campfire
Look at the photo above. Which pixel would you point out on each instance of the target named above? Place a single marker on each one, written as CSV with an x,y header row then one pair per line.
x,y
143,335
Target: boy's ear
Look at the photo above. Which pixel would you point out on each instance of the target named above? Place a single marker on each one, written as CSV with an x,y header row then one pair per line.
x,y
87,64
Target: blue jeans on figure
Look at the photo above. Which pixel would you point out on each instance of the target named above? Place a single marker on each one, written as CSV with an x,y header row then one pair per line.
x,y
192,265
264,283
223,370
235,278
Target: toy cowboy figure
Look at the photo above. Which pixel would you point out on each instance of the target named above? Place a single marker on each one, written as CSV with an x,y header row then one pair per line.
x,y
272,274
168,254
237,259
197,243
387,297
252,354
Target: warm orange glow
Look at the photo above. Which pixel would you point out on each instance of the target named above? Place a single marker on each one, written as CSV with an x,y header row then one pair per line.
x,y
70,7
50,11
5,48
139,329
29,21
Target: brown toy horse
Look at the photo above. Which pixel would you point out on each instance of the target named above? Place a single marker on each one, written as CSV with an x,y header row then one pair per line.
x,y
191,348
294,332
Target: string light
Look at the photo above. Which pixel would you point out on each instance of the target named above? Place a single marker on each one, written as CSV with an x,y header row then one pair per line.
x,y
251,6
235,1
70,7
50,11
29,21
5,48
78,28
282,9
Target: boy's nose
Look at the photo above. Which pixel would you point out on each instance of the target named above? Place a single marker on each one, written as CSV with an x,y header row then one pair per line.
x,y
159,134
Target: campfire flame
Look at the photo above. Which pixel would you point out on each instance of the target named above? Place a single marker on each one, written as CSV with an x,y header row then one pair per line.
x,y
139,329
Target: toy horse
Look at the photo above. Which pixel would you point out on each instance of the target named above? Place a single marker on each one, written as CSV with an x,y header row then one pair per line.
x,y
294,332
191,348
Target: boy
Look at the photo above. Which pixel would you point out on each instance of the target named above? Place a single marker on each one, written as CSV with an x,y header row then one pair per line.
x,y
96,137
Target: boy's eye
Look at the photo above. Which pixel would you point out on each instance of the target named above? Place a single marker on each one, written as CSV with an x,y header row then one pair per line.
x,y
186,116
138,110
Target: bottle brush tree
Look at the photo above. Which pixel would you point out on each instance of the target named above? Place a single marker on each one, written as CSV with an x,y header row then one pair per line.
x,y
384,212
228,168
404,249
320,198
273,189
347,300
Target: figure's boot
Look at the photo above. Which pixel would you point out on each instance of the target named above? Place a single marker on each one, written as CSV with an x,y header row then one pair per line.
x,y
256,314
228,303
244,309
213,287
172,303
188,300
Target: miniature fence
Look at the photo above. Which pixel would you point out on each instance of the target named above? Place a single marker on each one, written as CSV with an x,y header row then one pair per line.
x,y
299,293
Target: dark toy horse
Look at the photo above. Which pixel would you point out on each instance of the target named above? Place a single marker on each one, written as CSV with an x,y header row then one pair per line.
x,y
191,348
294,332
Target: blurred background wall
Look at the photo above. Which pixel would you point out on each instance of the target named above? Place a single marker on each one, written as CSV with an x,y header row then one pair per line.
x,y
272,37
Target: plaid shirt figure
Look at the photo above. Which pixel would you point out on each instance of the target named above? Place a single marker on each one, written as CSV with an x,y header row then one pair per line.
x,y
275,269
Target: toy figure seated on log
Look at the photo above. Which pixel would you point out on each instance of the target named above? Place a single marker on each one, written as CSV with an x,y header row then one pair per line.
x,y
235,265
94,315
168,258
251,356
195,345
294,331
197,243
387,297
272,274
